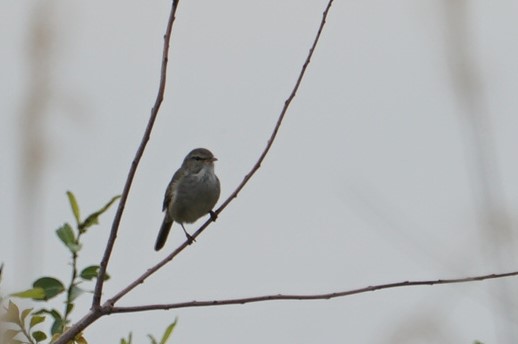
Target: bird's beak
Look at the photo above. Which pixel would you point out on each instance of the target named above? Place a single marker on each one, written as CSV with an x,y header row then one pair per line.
x,y
214,159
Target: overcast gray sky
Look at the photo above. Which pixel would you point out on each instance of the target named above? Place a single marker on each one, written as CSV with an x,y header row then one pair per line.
x,y
375,176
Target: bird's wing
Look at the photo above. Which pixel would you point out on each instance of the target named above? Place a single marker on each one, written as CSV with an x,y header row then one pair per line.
x,y
171,188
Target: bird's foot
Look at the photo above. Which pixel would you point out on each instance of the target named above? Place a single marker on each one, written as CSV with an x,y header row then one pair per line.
x,y
190,238
213,216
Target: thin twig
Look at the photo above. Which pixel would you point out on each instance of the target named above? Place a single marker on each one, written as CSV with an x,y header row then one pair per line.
x,y
281,116
254,169
326,296
107,309
70,290
96,312
138,155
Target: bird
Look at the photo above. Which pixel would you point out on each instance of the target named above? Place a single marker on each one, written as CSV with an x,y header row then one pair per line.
x,y
192,193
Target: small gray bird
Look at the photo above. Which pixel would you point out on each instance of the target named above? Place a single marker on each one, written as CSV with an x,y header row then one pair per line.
x,y
192,193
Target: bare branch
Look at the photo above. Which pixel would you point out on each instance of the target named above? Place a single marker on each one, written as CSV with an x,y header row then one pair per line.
x,y
254,169
281,116
96,312
138,155
305,297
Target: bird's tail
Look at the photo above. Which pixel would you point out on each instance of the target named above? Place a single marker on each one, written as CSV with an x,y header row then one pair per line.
x,y
164,232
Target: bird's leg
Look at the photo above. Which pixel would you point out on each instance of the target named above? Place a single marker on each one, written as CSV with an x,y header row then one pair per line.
x,y
190,238
213,216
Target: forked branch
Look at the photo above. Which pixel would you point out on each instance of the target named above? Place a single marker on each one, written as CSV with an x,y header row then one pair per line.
x,y
254,169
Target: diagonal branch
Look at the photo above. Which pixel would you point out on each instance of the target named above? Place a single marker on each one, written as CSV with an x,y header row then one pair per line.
x,y
254,169
138,155
326,296
281,116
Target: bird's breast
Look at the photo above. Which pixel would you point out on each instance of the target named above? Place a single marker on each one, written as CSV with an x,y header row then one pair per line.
x,y
196,195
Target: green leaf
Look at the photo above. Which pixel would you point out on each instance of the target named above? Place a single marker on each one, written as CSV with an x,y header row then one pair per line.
x,y
57,326
75,293
168,331
51,286
89,273
129,341
33,293
39,336
152,339
75,207
36,319
24,314
92,272
93,218
67,236
54,313
70,307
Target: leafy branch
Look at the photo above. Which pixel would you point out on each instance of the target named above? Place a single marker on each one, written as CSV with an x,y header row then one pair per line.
x,y
22,330
72,242
47,288
22,323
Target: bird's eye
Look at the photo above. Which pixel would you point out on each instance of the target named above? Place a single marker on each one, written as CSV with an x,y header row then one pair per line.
x,y
197,158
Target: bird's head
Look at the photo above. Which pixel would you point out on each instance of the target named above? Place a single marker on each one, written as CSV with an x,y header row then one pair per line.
x,y
199,158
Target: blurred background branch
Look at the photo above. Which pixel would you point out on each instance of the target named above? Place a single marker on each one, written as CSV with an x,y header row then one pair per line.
x,y
480,146
33,137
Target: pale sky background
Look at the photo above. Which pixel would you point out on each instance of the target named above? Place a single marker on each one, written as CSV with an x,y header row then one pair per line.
x,y
373,178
